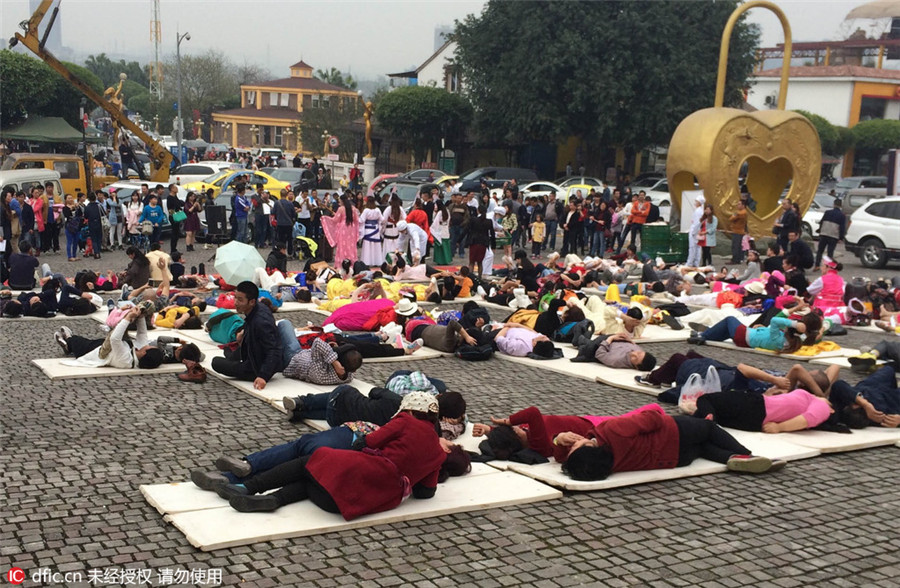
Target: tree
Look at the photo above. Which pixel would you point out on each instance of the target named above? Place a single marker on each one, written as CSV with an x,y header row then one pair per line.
x,y
422,116
336,119
835,140
336,78
877,134
208,82
108,70
613,73
32,88
24,81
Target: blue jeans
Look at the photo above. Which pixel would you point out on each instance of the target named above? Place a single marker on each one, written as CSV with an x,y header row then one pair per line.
x,y
241,234
321,406
598,248
260,461
289,344
457,243
550,237
71,244
722,330
261,227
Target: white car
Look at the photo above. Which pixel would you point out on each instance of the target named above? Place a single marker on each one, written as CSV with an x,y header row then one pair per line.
x,y
195,172
809,224
874,232
541,189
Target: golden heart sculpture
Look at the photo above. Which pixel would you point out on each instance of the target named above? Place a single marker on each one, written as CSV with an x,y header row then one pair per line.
x,y
713,145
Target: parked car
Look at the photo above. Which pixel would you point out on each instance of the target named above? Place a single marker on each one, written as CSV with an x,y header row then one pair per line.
x,y
300,178
648,183
540,189
566,181
810,221
196,172
874,232
422,175
407,190
856,197
495,177
854,182
378,183
222,181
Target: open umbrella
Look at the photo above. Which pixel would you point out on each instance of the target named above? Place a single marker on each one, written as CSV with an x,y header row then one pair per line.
x,y
237,262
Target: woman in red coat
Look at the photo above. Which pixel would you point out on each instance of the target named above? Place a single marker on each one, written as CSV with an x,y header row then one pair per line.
x,y
401,458
653,441
538,432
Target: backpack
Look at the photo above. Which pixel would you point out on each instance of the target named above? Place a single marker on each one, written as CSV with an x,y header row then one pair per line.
x,y
224,325
475,352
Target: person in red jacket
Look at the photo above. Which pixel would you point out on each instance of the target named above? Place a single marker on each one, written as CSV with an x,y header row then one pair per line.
x,y
529,429
401,458
652,441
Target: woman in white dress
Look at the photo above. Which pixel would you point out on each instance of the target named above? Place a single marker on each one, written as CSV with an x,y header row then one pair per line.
x,y
370,233
393,214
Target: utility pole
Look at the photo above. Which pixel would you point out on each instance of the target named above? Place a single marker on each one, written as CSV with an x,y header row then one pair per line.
x,y
179,124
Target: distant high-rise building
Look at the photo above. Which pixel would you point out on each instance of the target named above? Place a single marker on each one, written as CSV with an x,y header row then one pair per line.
x,y
54,41
441,33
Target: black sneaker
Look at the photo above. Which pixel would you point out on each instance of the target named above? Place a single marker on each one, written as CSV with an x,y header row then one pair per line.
x,y
697,327
208,480
202,269
61,340
672,321
238,467
193,269
229,491
256,503
696,339
643,381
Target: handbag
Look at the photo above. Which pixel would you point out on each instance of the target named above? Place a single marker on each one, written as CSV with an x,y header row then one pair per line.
x,y
146,228
179,216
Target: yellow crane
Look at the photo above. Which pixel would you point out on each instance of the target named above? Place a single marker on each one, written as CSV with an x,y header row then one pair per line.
x,y
160,157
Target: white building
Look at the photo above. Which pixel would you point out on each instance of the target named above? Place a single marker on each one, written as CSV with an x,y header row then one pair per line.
x,y
842,94
438,70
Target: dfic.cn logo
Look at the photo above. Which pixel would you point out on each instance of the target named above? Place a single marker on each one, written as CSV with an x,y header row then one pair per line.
x,y
15,575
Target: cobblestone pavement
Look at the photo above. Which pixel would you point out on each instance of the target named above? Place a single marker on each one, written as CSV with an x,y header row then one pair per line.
x,y
76,452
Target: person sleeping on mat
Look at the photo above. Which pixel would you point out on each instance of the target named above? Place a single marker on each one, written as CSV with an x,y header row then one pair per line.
x,y
383,468
782,335
616,351
233,470
750,411
117,350
679,367
652,441
530,429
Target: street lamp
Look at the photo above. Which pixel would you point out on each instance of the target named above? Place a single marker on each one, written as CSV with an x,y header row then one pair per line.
x,y
179,129
287,133
254,138
325,137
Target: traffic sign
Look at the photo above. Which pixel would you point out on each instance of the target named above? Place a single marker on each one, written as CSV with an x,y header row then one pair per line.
x,y
333,141
333,157
84,121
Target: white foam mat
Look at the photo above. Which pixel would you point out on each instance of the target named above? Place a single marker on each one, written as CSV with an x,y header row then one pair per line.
x,y
591,370
218,528
828,442
54,369
771,446
842,352
60,317
844,362
179,497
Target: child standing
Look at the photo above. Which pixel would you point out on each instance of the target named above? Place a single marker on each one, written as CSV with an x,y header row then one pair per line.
x,y
538,229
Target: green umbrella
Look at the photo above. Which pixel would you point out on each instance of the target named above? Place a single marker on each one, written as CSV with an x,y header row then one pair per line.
x,y
237,262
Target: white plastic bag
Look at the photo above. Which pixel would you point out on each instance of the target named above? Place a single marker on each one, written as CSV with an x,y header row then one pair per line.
x,y
691,390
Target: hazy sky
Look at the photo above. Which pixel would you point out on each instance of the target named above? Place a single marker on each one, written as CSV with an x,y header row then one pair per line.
x,y
368,37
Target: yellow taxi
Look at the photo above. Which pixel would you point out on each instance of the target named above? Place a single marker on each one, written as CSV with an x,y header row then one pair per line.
x,y
224,180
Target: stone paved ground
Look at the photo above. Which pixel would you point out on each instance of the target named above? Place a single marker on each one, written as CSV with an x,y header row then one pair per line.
x,y
75,453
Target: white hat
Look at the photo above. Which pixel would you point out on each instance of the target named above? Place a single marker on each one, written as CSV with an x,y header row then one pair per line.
x,y
755,288
401,226
420,402
405,307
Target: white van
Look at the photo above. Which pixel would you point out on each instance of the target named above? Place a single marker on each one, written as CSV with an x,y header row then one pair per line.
x,y
24,179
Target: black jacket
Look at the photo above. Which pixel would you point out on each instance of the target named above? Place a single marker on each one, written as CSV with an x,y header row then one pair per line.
x,y
378,407
803,252
261,345
277,260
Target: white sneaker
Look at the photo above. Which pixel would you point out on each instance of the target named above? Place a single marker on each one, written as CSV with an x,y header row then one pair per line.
x,y
480,291
413,346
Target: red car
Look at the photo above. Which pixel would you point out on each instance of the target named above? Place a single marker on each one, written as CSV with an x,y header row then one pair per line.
x,y
378,183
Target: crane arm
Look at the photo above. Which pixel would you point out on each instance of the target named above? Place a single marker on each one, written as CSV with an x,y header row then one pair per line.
x,y
160,157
